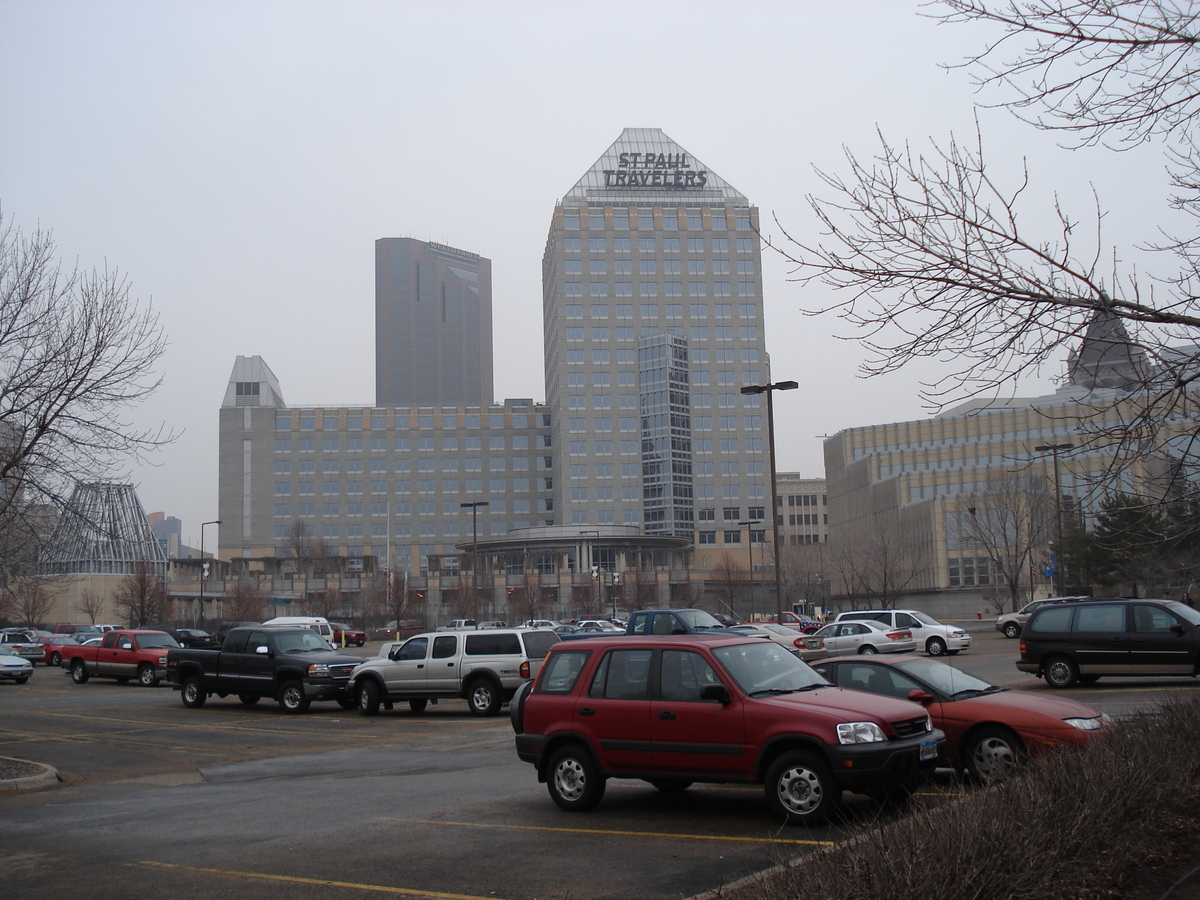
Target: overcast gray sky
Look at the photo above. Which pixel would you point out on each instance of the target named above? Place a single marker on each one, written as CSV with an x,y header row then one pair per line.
x,y
238,160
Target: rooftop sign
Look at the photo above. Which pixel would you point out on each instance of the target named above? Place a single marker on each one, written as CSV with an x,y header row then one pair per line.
x,y
655,170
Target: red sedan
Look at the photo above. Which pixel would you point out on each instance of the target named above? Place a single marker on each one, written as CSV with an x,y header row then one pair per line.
x,y
989,729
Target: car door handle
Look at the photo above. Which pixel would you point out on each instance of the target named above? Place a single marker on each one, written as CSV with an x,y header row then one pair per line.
x,y
666,714
587,711
421,665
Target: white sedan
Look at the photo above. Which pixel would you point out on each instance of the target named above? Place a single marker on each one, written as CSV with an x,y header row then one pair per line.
x,y
16,668
808,647
865,636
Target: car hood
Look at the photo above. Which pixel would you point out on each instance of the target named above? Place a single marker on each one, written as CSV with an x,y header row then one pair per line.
x,y
7,659
1054,707
846,705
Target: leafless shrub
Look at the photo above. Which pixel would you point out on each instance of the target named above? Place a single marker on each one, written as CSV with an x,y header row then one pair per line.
x,y
1074,824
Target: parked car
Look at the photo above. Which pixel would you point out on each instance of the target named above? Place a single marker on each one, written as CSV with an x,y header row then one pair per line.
x,y
52,645
291,664
190,637
936,639
485,667
989,729
22,644
494,623
388,631
224,628
16,668
672,621
865,637
808,647
674,710
1077,643
796,622
73,628
319,624
121,655
458,625
347,635
1010,624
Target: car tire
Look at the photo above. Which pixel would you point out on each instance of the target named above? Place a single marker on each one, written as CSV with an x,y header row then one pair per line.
x,y
670,785
192,693
417,706
56,658
483,697
368,697
249,699
1060,672
292,699
867,650
801,788
1012,630
935,646
147,677
79,672
362,643
991,753
574,781
22,679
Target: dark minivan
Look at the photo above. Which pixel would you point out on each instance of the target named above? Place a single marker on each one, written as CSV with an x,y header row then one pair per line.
x,y
1069,643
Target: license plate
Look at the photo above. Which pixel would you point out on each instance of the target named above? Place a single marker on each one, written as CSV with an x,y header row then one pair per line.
x,y
928,750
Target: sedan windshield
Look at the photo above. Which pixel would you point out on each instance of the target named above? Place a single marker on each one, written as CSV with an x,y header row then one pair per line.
x,y
764,667
944,678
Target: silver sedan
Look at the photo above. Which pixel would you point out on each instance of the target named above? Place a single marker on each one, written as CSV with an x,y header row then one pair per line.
x,y
16,668
865,637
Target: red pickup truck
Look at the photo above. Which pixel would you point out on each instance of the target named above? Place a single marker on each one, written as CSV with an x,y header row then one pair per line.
x,y
121,655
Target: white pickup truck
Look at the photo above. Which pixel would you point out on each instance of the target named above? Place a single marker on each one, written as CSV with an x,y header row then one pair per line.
x,y
485,667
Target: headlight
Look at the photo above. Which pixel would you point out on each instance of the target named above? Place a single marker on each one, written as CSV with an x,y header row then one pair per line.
x,y
859,733
1085,724
318,671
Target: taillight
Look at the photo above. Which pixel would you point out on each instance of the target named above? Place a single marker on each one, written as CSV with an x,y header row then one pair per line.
x,y
798,643
1021,646
525,669
899,635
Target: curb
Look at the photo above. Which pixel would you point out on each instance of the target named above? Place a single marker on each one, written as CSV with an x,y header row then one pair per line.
x,y
46,776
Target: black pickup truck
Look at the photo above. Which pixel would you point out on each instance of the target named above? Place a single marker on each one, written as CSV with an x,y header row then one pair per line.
x,y
288,663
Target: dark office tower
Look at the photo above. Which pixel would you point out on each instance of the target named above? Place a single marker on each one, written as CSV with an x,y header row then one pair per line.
x,y
433,325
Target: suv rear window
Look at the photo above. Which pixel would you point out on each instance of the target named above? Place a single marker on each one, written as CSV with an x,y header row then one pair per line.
x,y
484,644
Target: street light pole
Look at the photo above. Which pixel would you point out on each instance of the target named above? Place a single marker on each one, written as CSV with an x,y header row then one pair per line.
x,y
769,390
203,574
474,507
1055,449
750,540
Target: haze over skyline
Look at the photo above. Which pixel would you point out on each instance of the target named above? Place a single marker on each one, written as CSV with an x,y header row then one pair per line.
x,y
239,160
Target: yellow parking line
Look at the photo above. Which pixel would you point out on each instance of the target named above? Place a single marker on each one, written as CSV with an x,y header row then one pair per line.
x,y
655,834
295,879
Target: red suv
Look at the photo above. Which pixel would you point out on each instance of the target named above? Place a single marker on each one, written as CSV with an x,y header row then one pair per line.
x,y
677,709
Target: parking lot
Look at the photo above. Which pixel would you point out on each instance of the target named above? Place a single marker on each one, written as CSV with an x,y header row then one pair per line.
x,y
206,803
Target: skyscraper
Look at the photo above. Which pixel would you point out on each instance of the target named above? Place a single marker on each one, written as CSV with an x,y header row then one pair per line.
x,y
433,325
650,243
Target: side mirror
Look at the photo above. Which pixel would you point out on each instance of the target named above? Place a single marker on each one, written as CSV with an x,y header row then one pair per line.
x,y
1178,629
716,692
922,697
262,649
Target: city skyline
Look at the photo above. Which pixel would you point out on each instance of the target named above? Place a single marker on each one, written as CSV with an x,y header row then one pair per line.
x,y
239,161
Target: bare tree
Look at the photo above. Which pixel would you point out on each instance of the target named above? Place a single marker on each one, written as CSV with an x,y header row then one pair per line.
x,y
804,573
141,596
30,599
729,580
76,352
639,588
244,603
932,257
876,567
1012,523
300,547
525,600
91,605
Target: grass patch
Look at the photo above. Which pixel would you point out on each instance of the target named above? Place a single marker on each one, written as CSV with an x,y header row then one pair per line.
x,y
1076,825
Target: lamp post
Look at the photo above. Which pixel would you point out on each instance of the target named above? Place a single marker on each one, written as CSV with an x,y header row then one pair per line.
x,y
769,390
203,574
750,540
1055,449
474,507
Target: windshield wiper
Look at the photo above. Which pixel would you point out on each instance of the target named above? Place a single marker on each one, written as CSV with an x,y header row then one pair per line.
x,y
976,692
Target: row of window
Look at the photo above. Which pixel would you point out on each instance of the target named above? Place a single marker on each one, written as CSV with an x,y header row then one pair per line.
x,y
808,519
628,356
670,310
666,222
603,424
605,517
655,245
331,421
600,333
651,266
650,289
449,486
381,466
